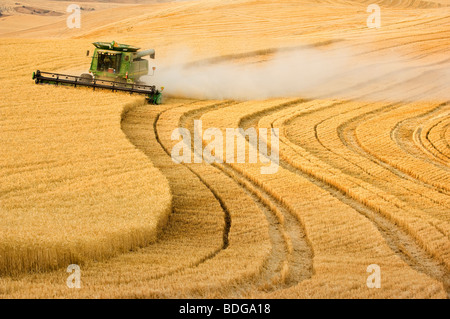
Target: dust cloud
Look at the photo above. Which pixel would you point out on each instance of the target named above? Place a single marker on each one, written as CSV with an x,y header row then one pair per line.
x,y
309,73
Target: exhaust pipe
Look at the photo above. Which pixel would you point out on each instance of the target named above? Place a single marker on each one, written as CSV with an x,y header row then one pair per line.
x,y
149,52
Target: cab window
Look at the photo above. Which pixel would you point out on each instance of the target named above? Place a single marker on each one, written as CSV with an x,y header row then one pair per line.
x,y
108,62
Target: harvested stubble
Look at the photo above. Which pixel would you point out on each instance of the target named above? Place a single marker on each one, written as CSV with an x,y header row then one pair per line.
x,y
430,136
351,245
352,207
399,193
189,259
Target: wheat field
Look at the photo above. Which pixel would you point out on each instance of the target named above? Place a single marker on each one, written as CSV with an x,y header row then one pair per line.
x,y
363,122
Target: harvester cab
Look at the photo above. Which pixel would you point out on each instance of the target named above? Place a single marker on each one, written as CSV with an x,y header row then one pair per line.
x,y
119,62
114,66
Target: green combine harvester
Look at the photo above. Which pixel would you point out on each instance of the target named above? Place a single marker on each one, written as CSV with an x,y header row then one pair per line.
x,y
115,67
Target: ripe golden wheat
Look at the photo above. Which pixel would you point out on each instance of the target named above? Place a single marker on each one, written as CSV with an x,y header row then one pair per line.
x,y
87,176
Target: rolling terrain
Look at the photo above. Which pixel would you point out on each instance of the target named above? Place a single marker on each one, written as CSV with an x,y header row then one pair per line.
x,y
362,117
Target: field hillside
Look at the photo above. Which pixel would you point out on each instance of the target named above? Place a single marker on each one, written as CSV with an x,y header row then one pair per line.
x,y
360,120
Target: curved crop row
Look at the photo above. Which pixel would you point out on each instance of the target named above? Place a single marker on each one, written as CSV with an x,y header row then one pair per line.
x,y
430,136
313,213
342,176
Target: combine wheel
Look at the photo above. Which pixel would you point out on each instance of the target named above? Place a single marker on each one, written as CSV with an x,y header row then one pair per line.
x,y
158,99
86,77
155,99
36,76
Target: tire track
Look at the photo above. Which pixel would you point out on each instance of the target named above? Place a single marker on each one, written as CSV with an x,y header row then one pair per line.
x,y
442,139
285,229
347,134
445,146
423,139
407,127
291,260
403,135
437,201
162,160
254,190
403,244
400,242
396,170
227,217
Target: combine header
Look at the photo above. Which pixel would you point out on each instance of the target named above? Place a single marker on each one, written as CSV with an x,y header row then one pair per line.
x,y
115,67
